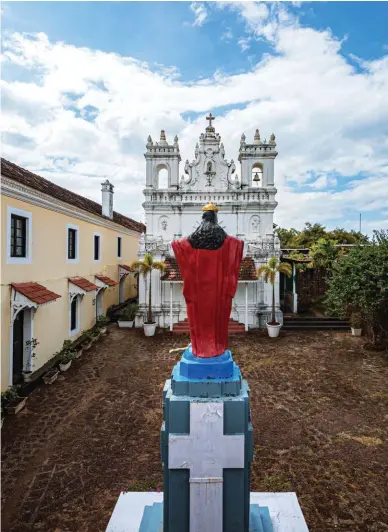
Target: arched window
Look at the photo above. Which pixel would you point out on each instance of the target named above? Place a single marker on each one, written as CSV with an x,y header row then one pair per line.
x,y
257,175
163,178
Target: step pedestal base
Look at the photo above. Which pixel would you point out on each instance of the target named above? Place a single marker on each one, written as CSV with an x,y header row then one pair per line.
x,y
284,512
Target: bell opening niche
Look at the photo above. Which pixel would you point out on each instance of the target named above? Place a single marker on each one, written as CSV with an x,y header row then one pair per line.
x,y
162,178
257,176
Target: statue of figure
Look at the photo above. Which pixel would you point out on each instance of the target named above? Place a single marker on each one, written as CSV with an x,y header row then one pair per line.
x,y
209,261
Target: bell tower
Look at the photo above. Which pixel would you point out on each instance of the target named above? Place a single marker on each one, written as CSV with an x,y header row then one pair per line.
x,y
162,156
257,162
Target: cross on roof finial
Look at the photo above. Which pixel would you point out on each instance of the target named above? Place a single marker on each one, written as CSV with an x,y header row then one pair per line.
x,y
210,118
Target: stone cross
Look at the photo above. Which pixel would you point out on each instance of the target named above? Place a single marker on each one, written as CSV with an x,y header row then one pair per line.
x,y
210,118
206,451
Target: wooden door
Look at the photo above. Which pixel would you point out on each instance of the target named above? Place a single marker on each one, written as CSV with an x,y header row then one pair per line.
x,y
18,348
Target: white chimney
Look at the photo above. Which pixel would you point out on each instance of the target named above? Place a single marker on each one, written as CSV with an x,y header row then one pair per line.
x,y
107,199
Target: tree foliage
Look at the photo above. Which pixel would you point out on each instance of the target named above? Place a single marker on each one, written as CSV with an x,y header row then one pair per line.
x,y
311,233
359,284
324,253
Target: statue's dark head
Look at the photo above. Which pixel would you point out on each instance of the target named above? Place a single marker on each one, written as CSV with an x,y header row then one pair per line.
x,y
209,235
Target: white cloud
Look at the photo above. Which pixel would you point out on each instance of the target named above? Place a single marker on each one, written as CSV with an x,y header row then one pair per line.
x,y
200,13
329,118
323,182
244,43
227,35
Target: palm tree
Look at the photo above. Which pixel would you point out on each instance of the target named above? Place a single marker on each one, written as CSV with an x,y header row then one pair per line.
x,y
268,272
324,253
145,268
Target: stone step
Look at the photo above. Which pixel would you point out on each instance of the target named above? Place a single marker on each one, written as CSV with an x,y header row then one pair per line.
x,y
333,327
234,327
312,318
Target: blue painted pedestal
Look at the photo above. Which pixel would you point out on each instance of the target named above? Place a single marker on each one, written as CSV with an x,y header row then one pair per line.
x,y
207,448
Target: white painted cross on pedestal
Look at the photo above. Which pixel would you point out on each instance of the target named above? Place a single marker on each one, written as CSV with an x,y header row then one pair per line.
x,y
206,451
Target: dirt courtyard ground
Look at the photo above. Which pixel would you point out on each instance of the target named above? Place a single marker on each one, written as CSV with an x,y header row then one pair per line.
x,y
319,409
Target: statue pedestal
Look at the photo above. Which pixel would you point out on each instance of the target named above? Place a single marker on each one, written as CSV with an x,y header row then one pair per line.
x,y
134,512
207,449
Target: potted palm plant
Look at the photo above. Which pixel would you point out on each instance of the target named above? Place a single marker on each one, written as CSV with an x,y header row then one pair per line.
x,y
127,315
356,323
145,268
268,273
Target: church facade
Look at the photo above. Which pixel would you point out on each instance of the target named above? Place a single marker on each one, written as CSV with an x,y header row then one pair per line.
x,y
173,210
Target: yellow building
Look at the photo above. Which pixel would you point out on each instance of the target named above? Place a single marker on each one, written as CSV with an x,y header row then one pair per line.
x,y
64,261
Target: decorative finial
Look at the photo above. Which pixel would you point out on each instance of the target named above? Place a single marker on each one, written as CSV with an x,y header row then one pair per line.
x,y
176,139
210,118
272,139
242,141
149,142
210,207
162,135
257,135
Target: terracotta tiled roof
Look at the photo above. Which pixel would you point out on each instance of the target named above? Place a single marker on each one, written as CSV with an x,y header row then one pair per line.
x,y
247,270
107,280
172,272
83,283
21,175
125,267
35,292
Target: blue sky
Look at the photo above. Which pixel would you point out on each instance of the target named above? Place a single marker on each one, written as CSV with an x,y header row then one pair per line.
x,y
106,74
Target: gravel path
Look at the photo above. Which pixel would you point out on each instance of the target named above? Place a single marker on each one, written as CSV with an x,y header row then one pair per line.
x,y
319,409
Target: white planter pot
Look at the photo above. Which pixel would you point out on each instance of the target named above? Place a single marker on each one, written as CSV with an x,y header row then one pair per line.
x,y
356,332
103,330
16,405
65,367
149,329
125,323
273,330
51,377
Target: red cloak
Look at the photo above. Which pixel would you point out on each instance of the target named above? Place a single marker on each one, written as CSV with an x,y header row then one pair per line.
x,y
210,282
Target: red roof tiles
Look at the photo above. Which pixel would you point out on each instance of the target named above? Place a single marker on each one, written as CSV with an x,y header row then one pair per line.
x,y
125,267
21,175
35,292
172,272
83,283
107,280
247,270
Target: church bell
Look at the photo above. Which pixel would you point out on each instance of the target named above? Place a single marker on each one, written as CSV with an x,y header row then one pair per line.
x,y
256,177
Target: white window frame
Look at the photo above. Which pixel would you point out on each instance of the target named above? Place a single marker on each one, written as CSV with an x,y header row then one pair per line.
x,y
78,315
121,247
97,261
76,260
28,216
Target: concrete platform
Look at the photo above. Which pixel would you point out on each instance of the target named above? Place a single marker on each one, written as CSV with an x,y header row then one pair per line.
x,y
285,512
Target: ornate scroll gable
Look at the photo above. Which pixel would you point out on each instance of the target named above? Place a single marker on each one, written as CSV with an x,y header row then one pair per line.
x,y
209,171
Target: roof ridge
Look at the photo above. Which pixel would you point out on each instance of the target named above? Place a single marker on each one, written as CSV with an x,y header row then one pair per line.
x,y
17,173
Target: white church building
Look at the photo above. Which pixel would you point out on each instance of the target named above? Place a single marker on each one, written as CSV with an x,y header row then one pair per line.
x,y
174,209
